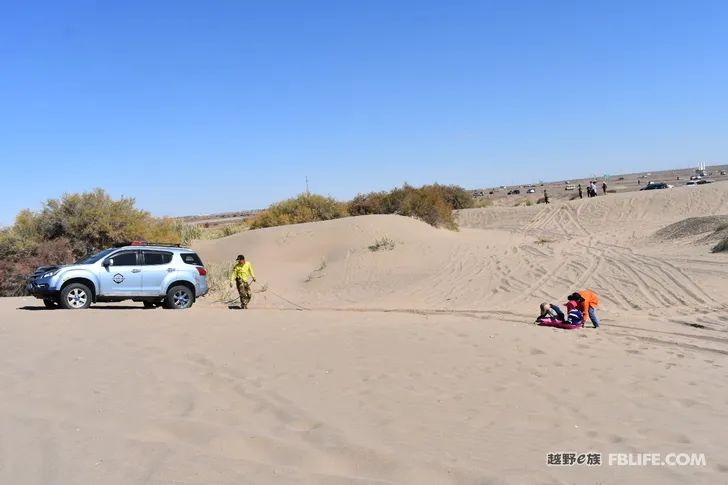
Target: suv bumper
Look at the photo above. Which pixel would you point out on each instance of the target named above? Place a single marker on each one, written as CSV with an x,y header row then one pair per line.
x,y
42,290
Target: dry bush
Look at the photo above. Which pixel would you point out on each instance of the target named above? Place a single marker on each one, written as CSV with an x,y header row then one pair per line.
x,y
304,208
71,227
316,273
218,279
429,205
189,232
432,204
382,244
15,271
482,203
371,203
93,221
227,230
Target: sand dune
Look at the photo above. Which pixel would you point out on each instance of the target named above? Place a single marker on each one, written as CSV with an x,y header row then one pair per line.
x,y
416,365
501,257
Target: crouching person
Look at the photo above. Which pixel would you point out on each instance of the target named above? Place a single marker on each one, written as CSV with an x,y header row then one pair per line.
x,y
551,313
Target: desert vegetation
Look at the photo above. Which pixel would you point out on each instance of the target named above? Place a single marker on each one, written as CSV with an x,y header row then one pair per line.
x,y
71,227
75,225
382,244
192,231
433,204
304,208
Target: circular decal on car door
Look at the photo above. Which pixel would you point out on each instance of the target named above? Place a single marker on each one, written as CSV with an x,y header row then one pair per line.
x,y
118,278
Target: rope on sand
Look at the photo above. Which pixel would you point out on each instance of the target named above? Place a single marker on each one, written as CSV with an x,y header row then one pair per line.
x,y
263,289
296,305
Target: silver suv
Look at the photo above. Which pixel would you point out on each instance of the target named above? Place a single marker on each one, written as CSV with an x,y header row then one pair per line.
x,y
154,274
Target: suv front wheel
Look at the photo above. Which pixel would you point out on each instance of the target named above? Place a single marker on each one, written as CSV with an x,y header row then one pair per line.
x,y
50,303
179,297
75,297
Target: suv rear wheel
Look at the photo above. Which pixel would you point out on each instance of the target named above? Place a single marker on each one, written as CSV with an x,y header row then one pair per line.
x,y
179,297
75,297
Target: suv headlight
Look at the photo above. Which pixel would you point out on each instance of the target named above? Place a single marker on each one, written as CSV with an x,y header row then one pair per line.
x,y
50,273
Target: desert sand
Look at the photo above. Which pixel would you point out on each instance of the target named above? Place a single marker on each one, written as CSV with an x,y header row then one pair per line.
x,y
415,365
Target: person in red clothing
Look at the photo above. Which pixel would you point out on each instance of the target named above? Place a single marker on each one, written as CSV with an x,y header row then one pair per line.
x,y
588,301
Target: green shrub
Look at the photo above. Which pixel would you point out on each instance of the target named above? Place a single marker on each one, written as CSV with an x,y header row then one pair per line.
x,y
304,208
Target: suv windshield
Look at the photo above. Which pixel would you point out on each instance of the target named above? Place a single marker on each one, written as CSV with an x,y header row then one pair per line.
x,y
94,257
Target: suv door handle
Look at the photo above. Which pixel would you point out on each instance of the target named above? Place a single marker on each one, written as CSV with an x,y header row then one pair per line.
x,y
136,270
171,270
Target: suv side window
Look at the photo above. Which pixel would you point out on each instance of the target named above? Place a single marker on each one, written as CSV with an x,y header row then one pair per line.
x,y
191,258
156,257
125,258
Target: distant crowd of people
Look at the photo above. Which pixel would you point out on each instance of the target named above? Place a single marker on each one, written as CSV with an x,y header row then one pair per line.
x,y
591,190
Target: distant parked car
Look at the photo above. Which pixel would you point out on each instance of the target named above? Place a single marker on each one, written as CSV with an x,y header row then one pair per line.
x,y
722,172
704,181
692,183
514,192
570,187
531,191
656,186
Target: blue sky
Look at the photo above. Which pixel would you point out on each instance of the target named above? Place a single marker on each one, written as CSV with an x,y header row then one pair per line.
x,y
198,107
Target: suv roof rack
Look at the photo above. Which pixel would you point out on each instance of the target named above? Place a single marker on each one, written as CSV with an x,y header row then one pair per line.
x,y
145,243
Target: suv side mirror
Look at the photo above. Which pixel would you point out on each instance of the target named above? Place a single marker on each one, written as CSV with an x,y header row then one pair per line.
x,y
108,263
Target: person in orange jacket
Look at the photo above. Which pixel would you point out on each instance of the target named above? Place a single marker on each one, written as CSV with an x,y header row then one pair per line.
x,y
588,300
